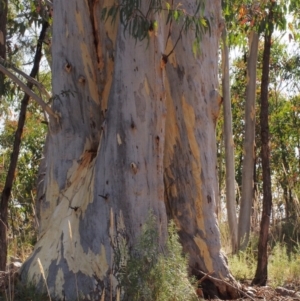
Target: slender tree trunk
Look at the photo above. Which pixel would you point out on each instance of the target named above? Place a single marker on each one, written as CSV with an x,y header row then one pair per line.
x,y
229,146
261,275
14,155
3,218
3,22
249,155
134,135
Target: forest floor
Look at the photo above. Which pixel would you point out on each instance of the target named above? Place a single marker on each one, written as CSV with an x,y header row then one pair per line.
x,y
248,293
268,293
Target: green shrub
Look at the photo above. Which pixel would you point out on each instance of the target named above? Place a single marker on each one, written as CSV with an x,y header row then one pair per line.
x,y
283,267
153,273
243,264
21,292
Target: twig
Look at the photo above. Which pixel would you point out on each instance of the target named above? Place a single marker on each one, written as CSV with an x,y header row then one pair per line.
x,y
213,279
204,277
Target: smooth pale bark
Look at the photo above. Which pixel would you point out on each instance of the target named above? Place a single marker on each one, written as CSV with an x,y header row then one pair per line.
x,y
248,148
229,146
261,274
134,136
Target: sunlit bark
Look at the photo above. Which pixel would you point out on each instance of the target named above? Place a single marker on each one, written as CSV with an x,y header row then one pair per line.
x,y
134,135
229,146
248,149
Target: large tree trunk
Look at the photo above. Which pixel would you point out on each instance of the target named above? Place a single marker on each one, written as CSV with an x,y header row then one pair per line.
x,y
229,146
248,149
133,136
261,274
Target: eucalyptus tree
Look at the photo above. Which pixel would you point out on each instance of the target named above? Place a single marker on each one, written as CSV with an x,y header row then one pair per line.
x,y
261,274
241,19
275,17
229,145
249,143
138,105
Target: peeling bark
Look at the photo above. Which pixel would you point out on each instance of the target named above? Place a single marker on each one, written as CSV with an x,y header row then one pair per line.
x,y
133,137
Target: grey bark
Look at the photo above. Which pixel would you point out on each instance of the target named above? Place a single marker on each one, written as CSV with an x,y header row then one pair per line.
x,y
229,146
134,136
248,149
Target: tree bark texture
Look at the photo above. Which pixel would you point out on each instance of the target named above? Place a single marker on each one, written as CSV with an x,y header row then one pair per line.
x,y
229,146
249,142
3,22
6,192
134,136
261,274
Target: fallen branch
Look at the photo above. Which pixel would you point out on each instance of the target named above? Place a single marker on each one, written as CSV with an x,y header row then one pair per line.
x,y
213,279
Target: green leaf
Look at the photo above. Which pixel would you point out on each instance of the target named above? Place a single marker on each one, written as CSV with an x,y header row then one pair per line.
x,y
203,22
168,6
176,15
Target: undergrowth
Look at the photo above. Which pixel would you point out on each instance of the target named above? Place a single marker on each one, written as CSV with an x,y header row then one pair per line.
x,y
150,272
283,267
153,273
21,292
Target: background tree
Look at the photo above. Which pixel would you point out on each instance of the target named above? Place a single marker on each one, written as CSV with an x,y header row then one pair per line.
x,y
229,145
3,23
248,148
16,26
6,192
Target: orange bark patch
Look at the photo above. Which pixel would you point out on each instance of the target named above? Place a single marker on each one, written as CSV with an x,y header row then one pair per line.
x,y
189,119
202,245
89,72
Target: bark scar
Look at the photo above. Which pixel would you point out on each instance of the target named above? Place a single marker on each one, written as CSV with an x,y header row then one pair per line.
x,y
92,9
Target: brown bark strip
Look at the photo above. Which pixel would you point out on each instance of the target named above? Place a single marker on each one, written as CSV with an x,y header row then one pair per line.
x,y
15,153
92,4
261,275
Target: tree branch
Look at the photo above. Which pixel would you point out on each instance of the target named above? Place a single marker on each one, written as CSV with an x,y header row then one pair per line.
x,y
29,92
216,280
28,77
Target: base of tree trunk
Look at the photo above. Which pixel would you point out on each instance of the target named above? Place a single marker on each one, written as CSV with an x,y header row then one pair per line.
x,y
217,288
